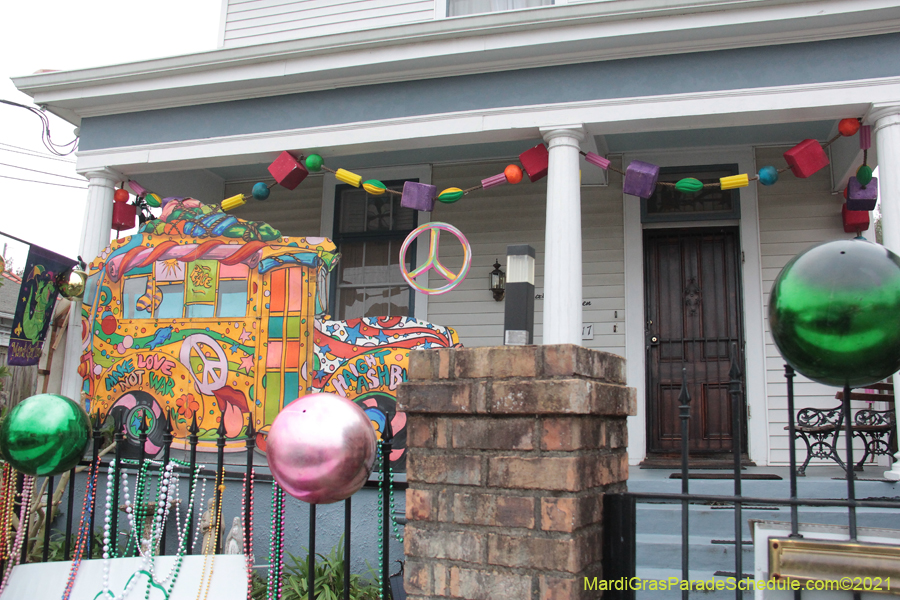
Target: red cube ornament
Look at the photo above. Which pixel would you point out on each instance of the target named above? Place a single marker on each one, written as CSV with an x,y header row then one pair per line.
x,y
535,162
287,171
123,216
854,220
806,158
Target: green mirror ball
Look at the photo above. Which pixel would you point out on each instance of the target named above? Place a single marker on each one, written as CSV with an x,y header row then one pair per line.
x,y
834,312
44,435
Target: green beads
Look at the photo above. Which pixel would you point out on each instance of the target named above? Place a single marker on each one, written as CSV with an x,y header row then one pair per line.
x,y
689,185
864,175
314,163
835,313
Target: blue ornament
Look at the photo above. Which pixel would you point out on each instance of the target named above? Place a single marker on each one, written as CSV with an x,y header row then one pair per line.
x,y
260,191
767,175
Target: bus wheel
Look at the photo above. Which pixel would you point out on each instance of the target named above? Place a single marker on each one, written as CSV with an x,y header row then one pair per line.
x,y
127,413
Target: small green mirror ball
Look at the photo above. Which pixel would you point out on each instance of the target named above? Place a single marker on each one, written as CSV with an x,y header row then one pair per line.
x,y
834,313
44,435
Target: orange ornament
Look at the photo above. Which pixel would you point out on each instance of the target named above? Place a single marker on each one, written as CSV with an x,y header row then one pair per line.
x,y
848,127
513,173
120,195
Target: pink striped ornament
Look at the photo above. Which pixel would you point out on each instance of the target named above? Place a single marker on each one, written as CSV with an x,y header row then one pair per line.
x,y
498,179
136,188
596,159
865,137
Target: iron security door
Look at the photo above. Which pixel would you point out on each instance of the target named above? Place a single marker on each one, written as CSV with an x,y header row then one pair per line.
x,y
693,308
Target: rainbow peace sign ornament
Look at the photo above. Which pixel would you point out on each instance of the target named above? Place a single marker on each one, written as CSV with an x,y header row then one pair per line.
x,y
433,260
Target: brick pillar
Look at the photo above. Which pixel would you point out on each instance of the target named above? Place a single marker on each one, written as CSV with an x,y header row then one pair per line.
x,y
510,450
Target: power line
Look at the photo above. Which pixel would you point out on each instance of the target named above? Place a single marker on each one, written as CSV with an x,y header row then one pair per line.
x,y
42,172
49,144
34,153
77,187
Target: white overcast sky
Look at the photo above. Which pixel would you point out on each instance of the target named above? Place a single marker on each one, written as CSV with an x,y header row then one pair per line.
x,y
65,35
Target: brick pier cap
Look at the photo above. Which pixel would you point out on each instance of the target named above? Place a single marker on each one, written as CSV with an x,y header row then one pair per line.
x,y
509,452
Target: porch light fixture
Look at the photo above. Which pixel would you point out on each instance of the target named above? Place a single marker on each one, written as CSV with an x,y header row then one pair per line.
x,y
518,318
498,281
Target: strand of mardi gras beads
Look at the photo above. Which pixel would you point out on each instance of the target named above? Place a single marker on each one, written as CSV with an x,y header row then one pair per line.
x,y
22,533
84,528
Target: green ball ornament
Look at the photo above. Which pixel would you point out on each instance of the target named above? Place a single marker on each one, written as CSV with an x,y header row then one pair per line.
x,y
314,163
834,312
44,434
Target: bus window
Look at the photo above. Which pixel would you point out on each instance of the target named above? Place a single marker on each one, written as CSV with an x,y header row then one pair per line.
x,y
172,303
232,300
132,290
90,290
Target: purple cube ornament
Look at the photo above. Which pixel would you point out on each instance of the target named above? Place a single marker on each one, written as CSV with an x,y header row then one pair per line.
x,y
418,196
862,197
640,179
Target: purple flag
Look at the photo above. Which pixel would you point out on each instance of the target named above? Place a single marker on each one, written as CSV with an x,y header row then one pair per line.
x,y
34,310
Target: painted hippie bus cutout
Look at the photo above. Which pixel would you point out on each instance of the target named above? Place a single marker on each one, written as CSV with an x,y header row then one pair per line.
x,y
204,315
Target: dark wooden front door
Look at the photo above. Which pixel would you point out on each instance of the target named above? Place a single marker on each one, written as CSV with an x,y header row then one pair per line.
x,y
693,308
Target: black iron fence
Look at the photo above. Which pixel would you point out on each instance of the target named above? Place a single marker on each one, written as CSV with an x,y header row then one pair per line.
x,y
80,538
620,510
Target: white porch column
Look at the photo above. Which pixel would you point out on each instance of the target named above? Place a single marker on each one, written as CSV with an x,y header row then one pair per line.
x,y
886,130
95,233
562,247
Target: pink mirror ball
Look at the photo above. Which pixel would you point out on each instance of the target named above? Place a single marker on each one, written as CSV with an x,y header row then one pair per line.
x,y
321,448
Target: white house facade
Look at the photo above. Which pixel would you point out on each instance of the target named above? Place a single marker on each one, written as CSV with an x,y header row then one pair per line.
x,y
396,90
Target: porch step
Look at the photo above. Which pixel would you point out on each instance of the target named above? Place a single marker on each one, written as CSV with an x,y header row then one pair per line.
x,y
717,522
659,524
664,551
820,482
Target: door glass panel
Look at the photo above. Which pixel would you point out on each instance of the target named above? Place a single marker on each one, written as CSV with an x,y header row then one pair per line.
x,y
669,204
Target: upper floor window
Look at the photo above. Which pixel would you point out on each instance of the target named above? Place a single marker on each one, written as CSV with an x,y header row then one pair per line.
x,y
369,231
456,8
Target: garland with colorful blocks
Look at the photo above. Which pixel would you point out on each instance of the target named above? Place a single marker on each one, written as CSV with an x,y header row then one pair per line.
x,y
804,159
640,178
289,172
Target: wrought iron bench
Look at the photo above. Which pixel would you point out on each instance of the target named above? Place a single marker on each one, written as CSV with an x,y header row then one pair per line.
x,y
820,428
876,428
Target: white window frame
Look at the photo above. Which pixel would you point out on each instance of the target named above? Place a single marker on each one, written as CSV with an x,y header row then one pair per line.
x,y
422,173
442,9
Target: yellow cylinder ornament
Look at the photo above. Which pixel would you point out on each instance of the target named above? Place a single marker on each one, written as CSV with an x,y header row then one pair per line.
x,y
735,181
233,202
345,176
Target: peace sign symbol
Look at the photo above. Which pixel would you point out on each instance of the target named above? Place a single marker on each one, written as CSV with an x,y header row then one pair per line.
x,y
433,261
215,371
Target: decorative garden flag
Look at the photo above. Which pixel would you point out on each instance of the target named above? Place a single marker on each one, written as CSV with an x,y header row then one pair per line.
x,y
34,310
